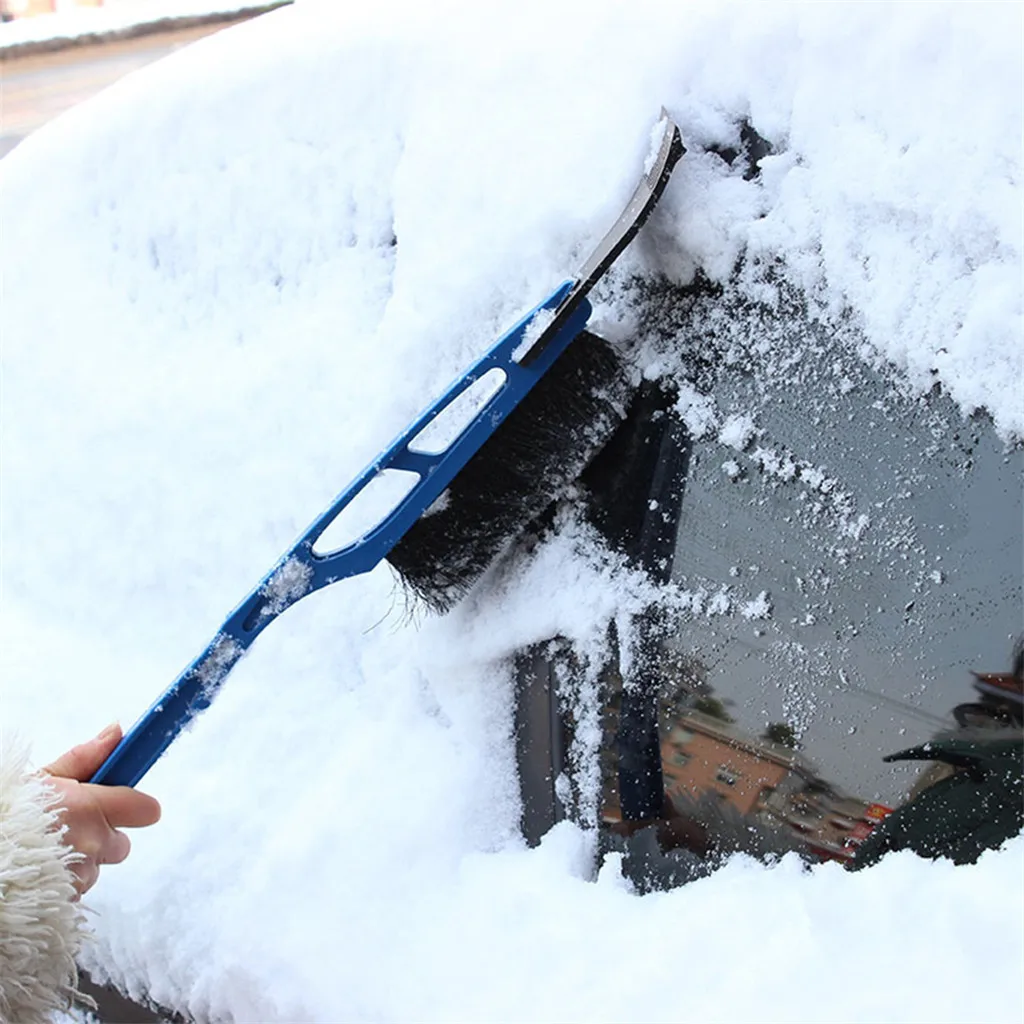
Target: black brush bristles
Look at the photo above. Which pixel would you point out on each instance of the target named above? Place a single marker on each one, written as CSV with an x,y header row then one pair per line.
x,y
542,446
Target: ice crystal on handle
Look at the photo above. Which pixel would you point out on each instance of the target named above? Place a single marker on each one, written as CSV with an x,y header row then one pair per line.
x,y
291,581
224,652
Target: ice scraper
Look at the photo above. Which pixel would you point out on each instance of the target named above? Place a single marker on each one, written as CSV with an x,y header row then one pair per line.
x,y
527,417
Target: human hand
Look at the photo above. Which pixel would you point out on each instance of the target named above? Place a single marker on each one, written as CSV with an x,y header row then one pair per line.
x,y
92,814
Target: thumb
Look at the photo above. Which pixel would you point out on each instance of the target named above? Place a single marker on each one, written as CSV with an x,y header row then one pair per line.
x,y
82,762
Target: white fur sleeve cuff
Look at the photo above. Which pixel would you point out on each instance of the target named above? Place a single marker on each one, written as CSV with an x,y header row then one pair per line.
x,y
41,926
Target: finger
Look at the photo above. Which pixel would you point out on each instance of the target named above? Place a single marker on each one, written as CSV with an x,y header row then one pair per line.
x,y
116,848
124,807
86,828
82,762
86,873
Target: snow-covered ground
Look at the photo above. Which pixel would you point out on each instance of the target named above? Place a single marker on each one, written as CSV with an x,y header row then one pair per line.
x,y
233,277
115,17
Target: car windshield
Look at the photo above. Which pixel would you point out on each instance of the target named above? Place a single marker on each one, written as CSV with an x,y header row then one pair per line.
x,y
841,564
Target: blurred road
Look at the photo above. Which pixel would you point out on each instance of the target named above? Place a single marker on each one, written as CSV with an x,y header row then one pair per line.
x,y
39,86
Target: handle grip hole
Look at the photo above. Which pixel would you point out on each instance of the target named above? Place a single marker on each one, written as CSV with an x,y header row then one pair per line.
x,y
382,494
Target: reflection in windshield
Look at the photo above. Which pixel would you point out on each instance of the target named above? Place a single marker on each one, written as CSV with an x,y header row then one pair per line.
x,y
728,790
842,561
852,553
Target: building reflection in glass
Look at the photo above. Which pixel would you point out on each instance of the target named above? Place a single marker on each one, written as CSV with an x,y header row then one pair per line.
x,y
729,790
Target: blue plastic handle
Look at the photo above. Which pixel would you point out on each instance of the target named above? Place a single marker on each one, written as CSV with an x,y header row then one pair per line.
x,y
301,571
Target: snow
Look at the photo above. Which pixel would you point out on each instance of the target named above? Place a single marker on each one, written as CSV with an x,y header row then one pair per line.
x,y
234,276
738,431
759,608
658,138
697,411
539,323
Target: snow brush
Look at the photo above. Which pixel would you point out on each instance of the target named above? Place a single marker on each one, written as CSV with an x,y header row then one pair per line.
x,y
476,467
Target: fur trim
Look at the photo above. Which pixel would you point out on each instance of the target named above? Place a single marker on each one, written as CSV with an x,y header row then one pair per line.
x,y
41,924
